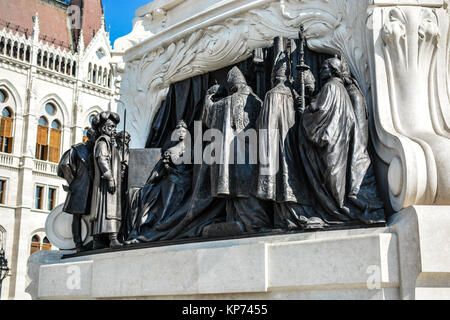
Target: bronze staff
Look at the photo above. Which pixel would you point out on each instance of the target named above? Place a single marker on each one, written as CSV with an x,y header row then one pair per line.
x,y
124,130
301,68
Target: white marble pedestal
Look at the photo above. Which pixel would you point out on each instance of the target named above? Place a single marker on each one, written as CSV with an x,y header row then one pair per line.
x,y
409,259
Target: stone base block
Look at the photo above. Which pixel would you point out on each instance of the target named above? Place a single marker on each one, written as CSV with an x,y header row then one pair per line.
x,y
375,263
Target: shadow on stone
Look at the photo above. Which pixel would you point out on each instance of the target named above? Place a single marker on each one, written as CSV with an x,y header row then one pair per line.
x,y
224,229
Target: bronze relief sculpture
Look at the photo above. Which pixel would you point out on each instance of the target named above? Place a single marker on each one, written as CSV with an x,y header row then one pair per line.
x,y
312,168
334,152
232,174
158,206
280,178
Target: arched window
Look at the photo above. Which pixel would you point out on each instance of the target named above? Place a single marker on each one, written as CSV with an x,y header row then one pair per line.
x,y
39,58
6,113
3,96
94,76
2,45
91,117
55,141
85,138
46,245
48,142
42,139
100,75
28,54
57,64
22,52
8,48
110,79
90,72
15,50
69,67
35,244
6,130
44,60
50,65
74,69
105,78
43,122
56,125
6,123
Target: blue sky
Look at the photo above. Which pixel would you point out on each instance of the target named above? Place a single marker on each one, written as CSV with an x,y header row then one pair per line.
x,y
119,15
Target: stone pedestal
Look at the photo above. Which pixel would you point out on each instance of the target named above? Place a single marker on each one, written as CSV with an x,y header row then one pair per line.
x,y
408,259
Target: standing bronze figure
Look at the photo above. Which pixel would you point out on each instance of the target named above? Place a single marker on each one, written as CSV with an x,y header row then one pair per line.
x,y
334,154
76,167
280,177
106,198
232,173
365,197
123,139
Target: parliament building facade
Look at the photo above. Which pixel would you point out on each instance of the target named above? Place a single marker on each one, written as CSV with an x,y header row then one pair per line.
x,y
55,75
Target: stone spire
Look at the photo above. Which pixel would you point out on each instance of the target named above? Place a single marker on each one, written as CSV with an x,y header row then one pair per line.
x,y
103,22
81,43
36,28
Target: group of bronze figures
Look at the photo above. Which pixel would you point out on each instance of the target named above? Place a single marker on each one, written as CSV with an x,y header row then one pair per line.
x,y
318,171
96,172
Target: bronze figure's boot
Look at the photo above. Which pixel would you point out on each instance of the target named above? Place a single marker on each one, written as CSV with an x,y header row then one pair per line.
x,y
98,244
113,242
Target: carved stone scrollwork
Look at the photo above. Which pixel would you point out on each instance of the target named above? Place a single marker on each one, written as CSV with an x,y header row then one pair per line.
x,y
409,136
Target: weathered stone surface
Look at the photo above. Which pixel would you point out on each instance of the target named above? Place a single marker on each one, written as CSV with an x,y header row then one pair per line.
x,y
343,263
424,248
71,280
225,229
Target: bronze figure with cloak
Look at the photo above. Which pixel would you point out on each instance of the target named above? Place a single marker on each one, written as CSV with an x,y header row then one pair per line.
x,y
280,177
76,167
334,153
162,202
106,213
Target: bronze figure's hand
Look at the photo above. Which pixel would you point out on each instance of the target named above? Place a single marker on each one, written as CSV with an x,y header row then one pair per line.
x,y
213,90
111,186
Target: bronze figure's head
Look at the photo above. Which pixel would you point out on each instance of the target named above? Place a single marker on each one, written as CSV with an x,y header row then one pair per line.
x,y
91,134
235,78
331,68
280,71
181,131
123,137
106,123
